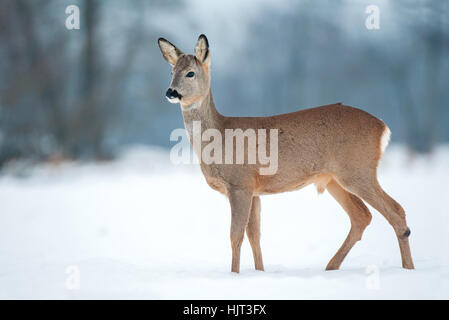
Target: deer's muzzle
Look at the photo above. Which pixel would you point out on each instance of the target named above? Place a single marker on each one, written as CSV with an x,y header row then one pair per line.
x,y
173,94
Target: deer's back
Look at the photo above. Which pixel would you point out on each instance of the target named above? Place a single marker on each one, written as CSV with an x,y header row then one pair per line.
x,y
314,143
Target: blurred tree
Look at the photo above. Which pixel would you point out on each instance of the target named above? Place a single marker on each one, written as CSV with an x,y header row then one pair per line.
x,y
421,96
84,93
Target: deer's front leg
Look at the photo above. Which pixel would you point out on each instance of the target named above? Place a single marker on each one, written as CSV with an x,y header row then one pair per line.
x,y
253,232
240,209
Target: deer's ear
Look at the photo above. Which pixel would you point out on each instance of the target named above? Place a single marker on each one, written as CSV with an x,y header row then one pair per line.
x,y
202,50
169,51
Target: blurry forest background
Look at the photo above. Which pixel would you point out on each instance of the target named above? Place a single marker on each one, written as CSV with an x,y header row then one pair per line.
x,y
85,94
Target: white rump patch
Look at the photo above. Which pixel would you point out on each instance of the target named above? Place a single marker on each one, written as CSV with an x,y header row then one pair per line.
x,y
385,139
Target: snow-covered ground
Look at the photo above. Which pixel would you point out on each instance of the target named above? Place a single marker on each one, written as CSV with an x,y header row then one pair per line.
x,y
141,227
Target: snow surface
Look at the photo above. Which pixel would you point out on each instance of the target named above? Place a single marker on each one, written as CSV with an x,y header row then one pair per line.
x,y
140,227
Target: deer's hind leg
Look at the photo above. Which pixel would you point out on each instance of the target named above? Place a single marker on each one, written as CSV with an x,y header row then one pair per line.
x,y
367,188
358,214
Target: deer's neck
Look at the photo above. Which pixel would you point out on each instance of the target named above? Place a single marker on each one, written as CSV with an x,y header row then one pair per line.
x,y
205,112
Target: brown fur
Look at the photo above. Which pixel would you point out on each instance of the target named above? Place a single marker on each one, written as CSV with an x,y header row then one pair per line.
x,y
336,147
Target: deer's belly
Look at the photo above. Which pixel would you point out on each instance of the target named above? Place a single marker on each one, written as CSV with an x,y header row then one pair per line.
x,y
285,184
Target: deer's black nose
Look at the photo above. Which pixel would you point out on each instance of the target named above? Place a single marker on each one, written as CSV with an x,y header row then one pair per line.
x,y
171,94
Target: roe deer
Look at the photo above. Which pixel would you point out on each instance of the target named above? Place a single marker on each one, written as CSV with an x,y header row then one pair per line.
x,y
336,147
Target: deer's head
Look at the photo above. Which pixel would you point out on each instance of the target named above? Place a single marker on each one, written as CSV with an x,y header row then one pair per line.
x,y
190,81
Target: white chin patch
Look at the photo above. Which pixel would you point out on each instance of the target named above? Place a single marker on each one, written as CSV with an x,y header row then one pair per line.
x,y
173,100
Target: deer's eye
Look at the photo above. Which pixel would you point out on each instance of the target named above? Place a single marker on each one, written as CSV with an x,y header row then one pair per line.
x,y
190,74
